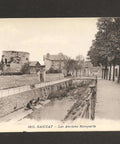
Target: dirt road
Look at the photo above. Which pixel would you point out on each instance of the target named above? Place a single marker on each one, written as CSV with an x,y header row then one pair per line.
x,y
108,100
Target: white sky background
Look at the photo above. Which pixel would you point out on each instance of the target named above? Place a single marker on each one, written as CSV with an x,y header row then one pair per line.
x,y
71,36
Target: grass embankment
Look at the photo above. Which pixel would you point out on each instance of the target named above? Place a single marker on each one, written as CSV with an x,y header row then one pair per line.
x,y
74,90
80,94
13,81
77,91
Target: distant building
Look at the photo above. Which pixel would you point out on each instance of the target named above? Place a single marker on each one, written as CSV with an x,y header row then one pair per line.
x,y
87,68
90,70
34,67
13,61
56,62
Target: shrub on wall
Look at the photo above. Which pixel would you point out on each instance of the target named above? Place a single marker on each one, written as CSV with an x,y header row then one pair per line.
x,y
52,70
58,94
25,68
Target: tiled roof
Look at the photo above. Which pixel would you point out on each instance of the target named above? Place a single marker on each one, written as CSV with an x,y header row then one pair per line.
x,y
33,63
56,57
15,51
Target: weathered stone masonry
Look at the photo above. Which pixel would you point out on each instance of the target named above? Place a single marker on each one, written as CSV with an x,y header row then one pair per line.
x,y
14,60
14,102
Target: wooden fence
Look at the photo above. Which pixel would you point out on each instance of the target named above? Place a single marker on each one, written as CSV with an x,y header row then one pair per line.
x,y
89,102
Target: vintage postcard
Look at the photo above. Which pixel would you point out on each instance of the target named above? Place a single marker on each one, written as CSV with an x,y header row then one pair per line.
x,y
59,74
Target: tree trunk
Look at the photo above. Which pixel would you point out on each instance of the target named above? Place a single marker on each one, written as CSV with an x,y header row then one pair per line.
x,y
76,73
119,75
113,72
80,73
67,72
104,73
110,73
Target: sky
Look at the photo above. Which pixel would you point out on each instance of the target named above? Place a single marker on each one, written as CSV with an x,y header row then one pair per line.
x,y
39,36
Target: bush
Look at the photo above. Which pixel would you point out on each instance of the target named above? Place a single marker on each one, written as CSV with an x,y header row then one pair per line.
x,y
69,74
67,89
57,94
32,86
52,70
25,68
72,87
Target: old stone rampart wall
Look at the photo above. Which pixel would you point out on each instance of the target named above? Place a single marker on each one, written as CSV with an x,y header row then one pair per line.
x,y
16,98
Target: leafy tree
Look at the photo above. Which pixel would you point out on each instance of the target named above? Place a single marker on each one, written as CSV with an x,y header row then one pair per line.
x,y
105,49
73,65
69,65
52,70
79,63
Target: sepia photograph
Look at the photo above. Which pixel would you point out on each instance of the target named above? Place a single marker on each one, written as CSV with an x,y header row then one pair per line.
x,y
60,74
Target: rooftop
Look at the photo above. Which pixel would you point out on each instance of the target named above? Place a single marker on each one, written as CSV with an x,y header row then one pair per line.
x,y
16,51
59,56
34,63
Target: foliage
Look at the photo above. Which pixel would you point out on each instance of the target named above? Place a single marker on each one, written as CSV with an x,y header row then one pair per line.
x,y
58,94
72,65
105,49
79,63
68,64
52,70
25,68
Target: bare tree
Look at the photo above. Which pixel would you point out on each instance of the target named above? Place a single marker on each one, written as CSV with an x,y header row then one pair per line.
x,y
69,65
79,63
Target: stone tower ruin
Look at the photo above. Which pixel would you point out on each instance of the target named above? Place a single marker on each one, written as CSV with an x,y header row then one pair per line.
x,y
13,61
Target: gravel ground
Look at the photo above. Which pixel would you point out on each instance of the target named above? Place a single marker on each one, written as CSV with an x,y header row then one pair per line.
x,y
108,100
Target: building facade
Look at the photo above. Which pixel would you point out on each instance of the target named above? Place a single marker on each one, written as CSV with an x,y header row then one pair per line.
x,y
88,70
34,67
56,62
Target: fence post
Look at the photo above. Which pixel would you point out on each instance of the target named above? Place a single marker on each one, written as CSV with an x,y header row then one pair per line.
x,y
93,101
96,80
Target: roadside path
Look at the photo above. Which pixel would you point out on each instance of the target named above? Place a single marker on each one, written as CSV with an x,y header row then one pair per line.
x,y
108,100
